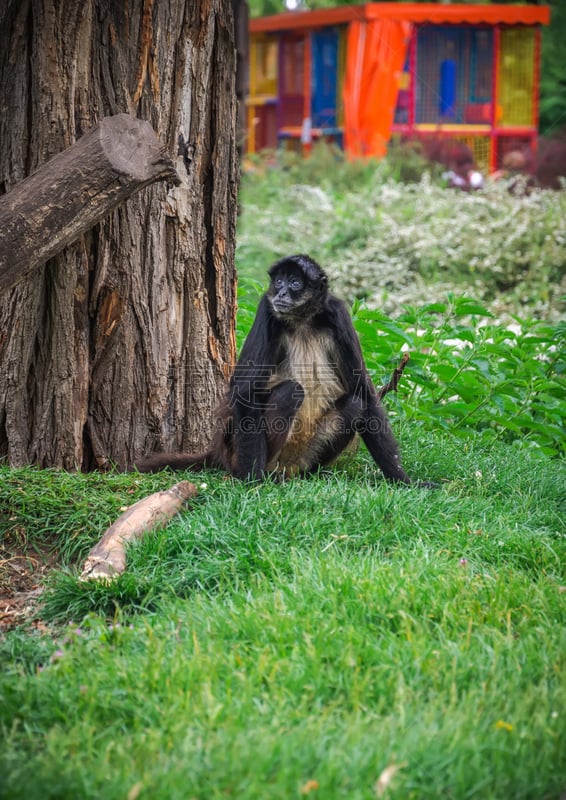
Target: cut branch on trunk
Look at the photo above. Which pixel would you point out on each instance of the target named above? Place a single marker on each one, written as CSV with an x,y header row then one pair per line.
x,y
75,190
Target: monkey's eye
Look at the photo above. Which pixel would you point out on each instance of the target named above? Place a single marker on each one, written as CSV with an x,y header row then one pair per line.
x,y
278,283
296,284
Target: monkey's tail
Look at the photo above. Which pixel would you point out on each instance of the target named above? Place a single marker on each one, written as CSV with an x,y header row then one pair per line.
x,y
159,461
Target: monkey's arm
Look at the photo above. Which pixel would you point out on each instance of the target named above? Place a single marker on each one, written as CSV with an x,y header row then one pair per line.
x,y
372,425
247,397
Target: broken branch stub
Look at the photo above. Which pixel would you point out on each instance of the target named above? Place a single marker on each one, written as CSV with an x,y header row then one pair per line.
x,y
391,385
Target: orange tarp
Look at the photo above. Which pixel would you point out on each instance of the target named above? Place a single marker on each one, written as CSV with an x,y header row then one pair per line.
x,y
376,55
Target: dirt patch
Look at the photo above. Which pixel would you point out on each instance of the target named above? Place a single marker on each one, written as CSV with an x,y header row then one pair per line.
x,y
22,575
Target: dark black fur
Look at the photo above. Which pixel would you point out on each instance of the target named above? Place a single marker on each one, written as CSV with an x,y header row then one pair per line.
x,y
300,391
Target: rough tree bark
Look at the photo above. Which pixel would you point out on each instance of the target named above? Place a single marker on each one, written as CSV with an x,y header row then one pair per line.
x,y
122,343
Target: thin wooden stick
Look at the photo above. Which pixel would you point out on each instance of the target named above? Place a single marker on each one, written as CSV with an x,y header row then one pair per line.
x,y
391,385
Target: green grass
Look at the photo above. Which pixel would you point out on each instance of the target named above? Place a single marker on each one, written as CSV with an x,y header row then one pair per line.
x,y
317,630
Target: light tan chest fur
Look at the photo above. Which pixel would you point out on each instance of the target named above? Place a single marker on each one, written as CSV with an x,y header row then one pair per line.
x,y
311,361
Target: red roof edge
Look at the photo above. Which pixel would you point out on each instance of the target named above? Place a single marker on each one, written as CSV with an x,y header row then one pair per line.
x,y
437,13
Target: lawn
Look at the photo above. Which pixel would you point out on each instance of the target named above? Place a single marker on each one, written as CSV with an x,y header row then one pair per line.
x,y
336,637
279,638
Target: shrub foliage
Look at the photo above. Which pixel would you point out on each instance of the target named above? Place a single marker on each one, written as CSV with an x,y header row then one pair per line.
x,y
388,241
467,373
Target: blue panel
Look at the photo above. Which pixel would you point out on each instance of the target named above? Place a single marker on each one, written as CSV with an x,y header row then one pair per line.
x,y
447,88
324,76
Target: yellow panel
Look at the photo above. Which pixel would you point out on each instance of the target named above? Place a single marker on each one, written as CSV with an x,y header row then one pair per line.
x,y
252,66
516,77
427,127
251,130
481,148
263,65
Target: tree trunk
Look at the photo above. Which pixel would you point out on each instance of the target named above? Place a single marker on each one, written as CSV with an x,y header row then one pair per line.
x,y
121,345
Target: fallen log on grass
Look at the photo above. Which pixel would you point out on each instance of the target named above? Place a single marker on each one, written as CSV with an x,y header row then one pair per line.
x,y
107,559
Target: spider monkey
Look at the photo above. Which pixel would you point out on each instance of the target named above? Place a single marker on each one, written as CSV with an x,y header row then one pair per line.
x,y
300,392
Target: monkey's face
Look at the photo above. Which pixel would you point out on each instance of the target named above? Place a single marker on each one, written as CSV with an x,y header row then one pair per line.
x,y
289,294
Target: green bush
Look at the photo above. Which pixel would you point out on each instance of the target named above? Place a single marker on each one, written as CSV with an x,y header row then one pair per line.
x,y
466,373
389,241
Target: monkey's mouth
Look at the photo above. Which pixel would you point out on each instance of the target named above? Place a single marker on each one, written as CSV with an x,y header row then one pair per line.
x,y
281,307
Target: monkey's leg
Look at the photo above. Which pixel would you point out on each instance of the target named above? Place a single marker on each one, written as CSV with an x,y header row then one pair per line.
x,y
261,428
282,406
347,418
334,432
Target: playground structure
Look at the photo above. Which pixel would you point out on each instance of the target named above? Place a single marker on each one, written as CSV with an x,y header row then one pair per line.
x,y
355,75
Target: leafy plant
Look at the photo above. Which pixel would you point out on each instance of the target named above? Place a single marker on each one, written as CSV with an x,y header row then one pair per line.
x,y
468,374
